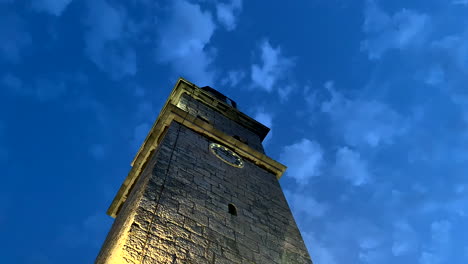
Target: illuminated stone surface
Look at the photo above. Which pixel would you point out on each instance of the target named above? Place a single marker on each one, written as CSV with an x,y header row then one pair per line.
x,y
177,209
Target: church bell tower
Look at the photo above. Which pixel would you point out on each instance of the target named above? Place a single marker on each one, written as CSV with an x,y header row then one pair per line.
x,y
202,190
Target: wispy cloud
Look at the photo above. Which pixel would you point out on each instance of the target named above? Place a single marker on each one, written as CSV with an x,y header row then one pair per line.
x,y
419,112
351,166
438,248
233,78
264,118
440,231
107,39
460,2
319,252
273,67
365,242
183,41
435,75
451,50
227,12
405,239
53,7
304,159
394,138
305,206
429,258
363,122
398,31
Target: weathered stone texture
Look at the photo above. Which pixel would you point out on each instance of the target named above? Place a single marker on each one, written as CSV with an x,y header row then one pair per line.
x,y
221,122
178,211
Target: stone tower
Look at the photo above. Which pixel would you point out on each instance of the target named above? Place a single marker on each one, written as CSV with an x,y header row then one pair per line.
x,y
201,190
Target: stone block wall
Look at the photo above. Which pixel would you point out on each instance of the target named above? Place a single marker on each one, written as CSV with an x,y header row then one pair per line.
x,y
178,211
221,122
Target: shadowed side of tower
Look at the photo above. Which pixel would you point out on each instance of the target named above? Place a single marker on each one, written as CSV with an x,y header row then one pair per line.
x,y
201,190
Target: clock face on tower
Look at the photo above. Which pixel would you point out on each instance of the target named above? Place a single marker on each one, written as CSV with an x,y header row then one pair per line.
x,y
226,155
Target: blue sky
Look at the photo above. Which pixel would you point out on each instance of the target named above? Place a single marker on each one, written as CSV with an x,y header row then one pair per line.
x,y
367,101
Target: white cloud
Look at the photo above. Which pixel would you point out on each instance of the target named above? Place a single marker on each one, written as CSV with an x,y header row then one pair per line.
x,y
310,96
460,2
429,258
319,252
365,241
183,42
414,108
456,206
264,118
304,160
440,231
233,78
373,256
454,51
305,206
106,40
54,7
369,242
404,29
404,239
438,248
435,76
350,166
273,67
460,189
363,122
284,92
461,101
226,13
14,38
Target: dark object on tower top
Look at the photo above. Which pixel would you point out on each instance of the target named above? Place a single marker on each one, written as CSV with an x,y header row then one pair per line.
x,y
220,96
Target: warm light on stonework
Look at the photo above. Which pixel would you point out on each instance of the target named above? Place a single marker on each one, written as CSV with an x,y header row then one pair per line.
x,y
180,204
